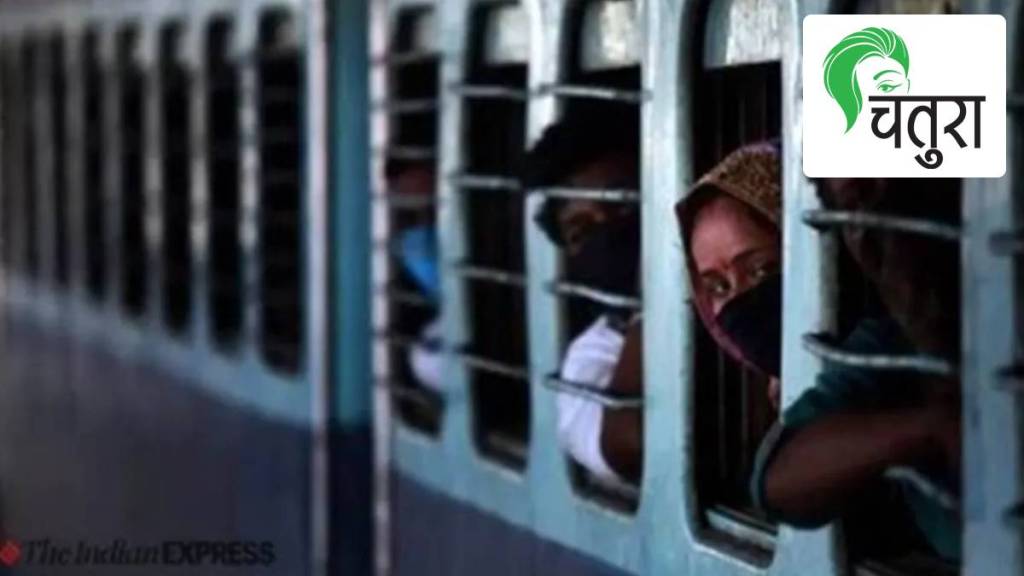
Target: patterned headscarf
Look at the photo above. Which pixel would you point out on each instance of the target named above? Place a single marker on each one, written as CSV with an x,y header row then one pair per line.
x,y
752,176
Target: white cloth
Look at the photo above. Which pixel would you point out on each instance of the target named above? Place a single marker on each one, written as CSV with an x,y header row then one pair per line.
x,y
591,360
426,359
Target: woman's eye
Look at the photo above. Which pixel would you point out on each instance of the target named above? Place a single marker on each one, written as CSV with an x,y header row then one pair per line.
x,y
887,87
717,288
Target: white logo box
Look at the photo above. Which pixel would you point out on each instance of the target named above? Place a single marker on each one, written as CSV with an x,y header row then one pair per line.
x,y
949,56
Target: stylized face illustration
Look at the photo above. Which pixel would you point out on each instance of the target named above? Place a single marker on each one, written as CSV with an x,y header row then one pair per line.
x,y
881,76
869,61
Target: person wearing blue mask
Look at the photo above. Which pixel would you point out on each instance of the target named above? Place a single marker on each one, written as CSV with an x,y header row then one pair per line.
x,y
416,252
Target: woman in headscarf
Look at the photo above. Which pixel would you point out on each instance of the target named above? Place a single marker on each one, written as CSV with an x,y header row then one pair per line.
x,y
856,426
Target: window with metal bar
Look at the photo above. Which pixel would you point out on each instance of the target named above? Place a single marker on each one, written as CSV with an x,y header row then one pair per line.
x,y
734,105
493,139
898,260
59,138
412,335
600,293
29,143
279,93
176,182
222,149
132,186
95,149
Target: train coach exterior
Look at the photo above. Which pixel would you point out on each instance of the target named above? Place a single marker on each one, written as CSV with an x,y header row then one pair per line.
x,y
204,328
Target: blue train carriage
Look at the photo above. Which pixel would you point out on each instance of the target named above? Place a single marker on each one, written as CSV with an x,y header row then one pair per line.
x,y
165,321
470,488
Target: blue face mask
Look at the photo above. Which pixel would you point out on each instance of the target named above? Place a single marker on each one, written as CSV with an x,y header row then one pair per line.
x,y
417,251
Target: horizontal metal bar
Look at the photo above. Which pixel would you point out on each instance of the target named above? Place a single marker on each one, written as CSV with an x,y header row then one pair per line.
x,y
411,106
407,152
490,92
505,444
494,275
469,359
598,194
924,485
821,219
1014,516
405,393
596,295
741,527
485,182
1007,243
820,345
406,297
1011,378
596,395
492,366
400,201
405,59
592,92
396,339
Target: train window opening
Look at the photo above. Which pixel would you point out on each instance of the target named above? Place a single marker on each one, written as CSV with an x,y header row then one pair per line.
x,y
735,105
30,144
903,290
222,144
412,291
175,157
906,288
131,103
95,149
280,85
586,166
59,136
492,141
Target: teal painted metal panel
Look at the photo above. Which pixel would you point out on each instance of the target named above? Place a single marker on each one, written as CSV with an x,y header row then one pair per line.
x,y
350,209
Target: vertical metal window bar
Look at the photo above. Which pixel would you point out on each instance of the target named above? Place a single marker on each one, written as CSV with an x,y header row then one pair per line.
x,y
279,90
59,140
409,158
132,241
10,163
223,165
175,187
30,179
95,150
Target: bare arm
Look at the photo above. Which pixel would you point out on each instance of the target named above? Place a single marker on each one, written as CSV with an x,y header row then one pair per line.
x,y
622,431
825,464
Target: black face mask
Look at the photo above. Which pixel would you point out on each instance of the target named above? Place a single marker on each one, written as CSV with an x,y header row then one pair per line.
x,y
753,321
608,260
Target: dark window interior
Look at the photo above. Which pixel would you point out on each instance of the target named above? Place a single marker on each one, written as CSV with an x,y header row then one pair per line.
x,y
9,168
733,106
222,100
95,153
133,238
58,95
415,79
175,116
280,217
494,140
30,187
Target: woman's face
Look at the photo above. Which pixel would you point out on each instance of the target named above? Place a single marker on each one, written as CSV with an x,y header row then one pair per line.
x,y
733,250
882,76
